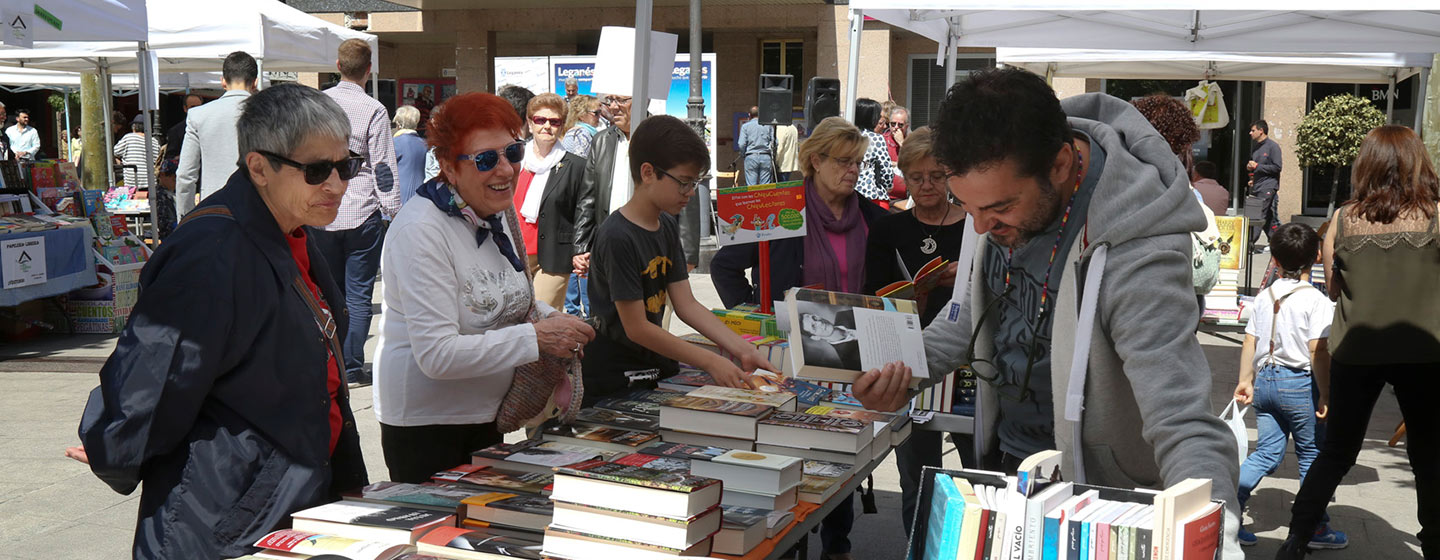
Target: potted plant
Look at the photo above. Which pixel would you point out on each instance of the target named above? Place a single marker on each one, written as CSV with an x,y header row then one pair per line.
x,y
1330,135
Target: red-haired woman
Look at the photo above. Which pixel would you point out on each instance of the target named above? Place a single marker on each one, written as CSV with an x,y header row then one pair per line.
x,y
460,314
1382,256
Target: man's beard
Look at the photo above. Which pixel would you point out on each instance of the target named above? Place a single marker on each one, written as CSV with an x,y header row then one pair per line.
x,y
1048,212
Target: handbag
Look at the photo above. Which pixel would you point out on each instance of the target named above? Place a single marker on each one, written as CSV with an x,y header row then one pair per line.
x,y
1234,418
550,387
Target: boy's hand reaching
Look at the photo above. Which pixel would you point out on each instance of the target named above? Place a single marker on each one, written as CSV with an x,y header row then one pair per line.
x,y
1245,392
727,374
752,361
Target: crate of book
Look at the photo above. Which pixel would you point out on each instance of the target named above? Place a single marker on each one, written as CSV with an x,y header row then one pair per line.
x,y
105,309
1032,514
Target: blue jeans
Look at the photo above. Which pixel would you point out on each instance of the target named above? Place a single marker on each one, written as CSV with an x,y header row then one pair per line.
x,y
1285,400
577,296
759,169
354,259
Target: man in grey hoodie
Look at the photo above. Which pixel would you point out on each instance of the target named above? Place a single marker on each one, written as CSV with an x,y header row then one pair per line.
x,y
1080,196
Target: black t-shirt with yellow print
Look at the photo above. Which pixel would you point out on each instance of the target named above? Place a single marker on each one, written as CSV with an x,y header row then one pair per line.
x,y
629,263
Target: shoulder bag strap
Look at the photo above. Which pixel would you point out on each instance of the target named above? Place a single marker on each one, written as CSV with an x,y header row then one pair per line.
x,y
323,318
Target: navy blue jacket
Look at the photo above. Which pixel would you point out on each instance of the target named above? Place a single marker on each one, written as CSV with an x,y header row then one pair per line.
x,y
215,398
787,265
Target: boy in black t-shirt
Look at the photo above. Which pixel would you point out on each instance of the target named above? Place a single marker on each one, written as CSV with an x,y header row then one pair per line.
x,y
638,266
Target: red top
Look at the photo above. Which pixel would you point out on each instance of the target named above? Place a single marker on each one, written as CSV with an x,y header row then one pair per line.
x,y
529,231
332,368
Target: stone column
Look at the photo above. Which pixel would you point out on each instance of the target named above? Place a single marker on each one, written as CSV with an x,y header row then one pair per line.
x,y
1283,108
475,61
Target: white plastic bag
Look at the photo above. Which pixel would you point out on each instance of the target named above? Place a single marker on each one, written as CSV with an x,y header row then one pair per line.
x,y
1234,417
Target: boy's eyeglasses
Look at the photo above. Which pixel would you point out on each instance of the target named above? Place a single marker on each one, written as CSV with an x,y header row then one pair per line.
x,y
540,121
317,172
988,371
486,160
686,187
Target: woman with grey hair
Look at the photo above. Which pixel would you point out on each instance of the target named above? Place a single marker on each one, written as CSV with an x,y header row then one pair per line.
x,y
224,393
409,152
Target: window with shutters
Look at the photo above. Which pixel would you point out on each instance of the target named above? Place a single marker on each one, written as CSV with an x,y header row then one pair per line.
x,y
927,84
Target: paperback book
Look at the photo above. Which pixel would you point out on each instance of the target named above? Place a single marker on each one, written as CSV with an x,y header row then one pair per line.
x,y
836,336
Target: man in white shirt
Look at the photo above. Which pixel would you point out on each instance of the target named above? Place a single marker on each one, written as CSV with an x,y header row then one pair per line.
x,y
24,140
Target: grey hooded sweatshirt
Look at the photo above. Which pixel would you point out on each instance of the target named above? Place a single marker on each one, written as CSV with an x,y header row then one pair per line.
x,y
1147,419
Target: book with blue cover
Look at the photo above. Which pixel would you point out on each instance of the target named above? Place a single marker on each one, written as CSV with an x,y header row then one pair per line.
x,y
946,512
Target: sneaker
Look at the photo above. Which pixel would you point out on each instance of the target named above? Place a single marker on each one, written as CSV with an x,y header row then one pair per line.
x,y
1327,538
1246,537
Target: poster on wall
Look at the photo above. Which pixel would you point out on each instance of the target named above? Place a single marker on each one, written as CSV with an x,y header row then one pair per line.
x,y
424,95
760,212
582,68
529,72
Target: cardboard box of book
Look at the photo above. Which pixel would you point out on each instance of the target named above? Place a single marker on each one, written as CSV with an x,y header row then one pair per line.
x,y
104,310
976,514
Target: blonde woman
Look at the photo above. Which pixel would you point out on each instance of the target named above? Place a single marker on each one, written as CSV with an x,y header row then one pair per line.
x,y
409,151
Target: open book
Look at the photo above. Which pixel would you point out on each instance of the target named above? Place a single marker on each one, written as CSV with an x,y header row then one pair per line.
x,y
925,280
836,336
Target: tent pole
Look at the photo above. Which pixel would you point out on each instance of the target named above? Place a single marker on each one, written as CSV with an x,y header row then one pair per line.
x,y
852,79
107,105
640,92
950,64
147,108
1390,99
68,131
1239,149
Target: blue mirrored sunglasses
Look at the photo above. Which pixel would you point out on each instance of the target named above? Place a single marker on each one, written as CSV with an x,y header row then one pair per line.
x,y
486,160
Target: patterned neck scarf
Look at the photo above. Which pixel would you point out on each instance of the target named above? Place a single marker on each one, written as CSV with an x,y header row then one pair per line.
x,y
445,198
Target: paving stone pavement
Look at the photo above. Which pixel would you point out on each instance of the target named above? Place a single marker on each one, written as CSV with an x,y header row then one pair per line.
x,y
53,507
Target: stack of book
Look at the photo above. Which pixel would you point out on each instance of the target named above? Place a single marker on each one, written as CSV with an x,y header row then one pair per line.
x,y
813,436
365,521
599,437
757,480
468,543
880,425
291,543
987,515
537,456
741,530
610,510
821,480
712,422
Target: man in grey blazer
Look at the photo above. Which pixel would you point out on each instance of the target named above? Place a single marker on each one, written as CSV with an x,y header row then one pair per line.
x,y
210,152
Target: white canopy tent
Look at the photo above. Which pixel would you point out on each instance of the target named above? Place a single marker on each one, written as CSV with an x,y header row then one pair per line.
x,y
1184,65
188,36
1226,26
81,20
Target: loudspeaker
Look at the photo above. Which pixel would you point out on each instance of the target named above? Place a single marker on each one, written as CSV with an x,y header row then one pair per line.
x,y
822,100
776,94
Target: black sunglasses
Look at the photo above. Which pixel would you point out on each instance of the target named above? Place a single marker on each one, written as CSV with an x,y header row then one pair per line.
x,y
318,172
988,371
486,160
